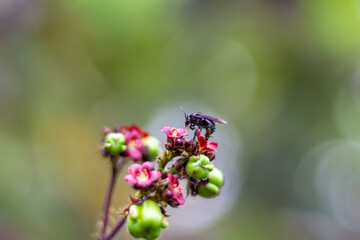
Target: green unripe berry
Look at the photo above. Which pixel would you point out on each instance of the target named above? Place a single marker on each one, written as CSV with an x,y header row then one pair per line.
x,y
199,167
212,188
146,220
153,148
115,143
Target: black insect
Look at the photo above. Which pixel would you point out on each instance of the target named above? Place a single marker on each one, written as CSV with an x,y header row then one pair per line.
x,y
198,121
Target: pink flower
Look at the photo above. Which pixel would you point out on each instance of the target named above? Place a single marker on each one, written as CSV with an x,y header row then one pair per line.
x,y
142,176
174,133
174,194
204,144
133,132
135,149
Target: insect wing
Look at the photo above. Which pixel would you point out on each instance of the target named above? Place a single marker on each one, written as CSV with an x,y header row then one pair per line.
x,y
197,114
214,119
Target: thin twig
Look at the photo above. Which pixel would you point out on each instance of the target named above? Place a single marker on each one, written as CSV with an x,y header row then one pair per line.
x,y
116,229
116,167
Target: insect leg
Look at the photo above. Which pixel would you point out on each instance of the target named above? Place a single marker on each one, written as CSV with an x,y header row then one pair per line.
x,y
208,133
197,131
210,128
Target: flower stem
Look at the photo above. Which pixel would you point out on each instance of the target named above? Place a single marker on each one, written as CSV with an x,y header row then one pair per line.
x,y
164,159
116,167
116,229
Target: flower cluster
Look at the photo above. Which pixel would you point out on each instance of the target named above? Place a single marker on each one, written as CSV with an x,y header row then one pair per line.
x,y
132,142
157,185
193,162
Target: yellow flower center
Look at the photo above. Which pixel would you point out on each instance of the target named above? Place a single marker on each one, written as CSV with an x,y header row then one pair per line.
x,y
174,131
142,175
133,143
178,188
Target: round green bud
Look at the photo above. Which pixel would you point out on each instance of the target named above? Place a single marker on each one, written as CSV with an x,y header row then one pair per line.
x,y
153,147
199,167
212,188
115,143
146,220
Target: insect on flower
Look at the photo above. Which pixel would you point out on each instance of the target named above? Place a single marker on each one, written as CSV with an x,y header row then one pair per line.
x,y
199,121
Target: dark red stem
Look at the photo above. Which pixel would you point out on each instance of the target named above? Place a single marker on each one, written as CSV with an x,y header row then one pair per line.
x,y
116,167
116,229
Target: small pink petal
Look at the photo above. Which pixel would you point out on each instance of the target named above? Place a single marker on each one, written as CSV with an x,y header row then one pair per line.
x,y
148,166
182,132
135,154
166,130
143,183
130,179
154,175
212,146
134,168
180,199
127,136
171,178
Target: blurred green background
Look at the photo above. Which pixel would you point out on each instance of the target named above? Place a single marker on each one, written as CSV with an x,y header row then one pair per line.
x,y
285,73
